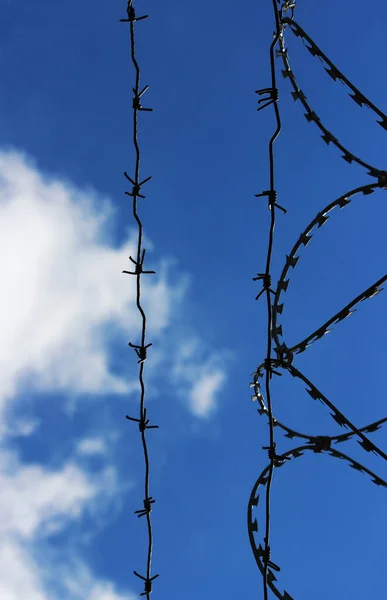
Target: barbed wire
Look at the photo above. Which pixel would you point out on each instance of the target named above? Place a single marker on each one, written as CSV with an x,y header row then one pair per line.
x,y
140,349
275,303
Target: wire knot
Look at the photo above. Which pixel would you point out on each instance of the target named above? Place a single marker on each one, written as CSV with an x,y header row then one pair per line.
x,y
137,100
266,555
382,180
268,365
266,282
271,96
272,195
143,423
147,507
132,14
285,356
277,460
136,186
139,266
321,443
147,583
141,351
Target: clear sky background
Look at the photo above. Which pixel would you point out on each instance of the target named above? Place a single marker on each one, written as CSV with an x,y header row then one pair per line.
x,y
71,465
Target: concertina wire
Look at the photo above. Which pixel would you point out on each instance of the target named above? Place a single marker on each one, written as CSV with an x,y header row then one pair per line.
x,y
284,355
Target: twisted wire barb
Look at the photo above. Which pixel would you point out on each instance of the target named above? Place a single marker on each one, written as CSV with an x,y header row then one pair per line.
x,y
140,349
285,355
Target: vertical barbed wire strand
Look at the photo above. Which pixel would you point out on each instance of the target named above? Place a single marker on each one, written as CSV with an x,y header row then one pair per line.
x,y
271,98
141,350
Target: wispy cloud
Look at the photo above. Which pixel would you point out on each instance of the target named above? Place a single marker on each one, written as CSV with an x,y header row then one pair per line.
x,y
200,375
35,503
92,446
203,393
65,297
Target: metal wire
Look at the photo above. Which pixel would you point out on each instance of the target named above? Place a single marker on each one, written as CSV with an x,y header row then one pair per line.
x,y
275,307
140,349
271,98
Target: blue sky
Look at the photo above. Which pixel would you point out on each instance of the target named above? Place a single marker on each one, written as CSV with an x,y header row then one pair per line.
x,y
71,465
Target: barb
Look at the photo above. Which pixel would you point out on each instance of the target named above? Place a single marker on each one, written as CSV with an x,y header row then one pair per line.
x,y
142,348
275,306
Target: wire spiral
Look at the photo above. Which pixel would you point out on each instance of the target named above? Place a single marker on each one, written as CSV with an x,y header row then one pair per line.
x,y
285,355
142,348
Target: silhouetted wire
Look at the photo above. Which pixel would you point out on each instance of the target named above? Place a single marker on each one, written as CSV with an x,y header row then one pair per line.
x,y
140,349
285,354
271,98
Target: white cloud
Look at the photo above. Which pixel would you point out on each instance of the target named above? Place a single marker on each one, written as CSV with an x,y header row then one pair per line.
x,y
92,446
19,576
22,577
204,391
65,289
66,294
36,502
33,496
199,379
81,585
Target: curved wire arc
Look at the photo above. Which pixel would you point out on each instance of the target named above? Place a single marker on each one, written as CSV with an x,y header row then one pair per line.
x,y
311,115
252,524
292,260
334,73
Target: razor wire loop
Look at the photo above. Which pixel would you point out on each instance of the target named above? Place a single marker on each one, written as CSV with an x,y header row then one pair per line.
x,y
148,581
310,114
292,261
140,349
285,355
316,394
261,554
334,73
